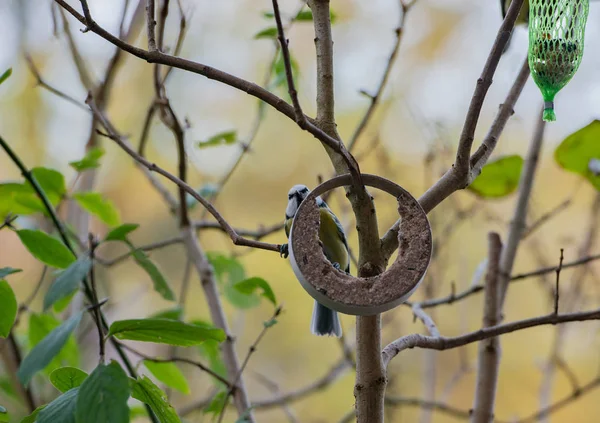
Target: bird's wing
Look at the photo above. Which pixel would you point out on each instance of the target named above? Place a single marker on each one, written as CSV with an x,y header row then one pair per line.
x,y
340,231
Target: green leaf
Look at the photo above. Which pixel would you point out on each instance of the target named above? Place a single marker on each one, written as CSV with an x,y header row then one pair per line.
x,y
169,374
248,286
51,181
33,416
8,308
279,74
63,303
211,350
7,388
46,249
304,16
222,138
61,410
174,313
67,281
577,151
42,354
164,331
147,392
91,160
5,271
270,32
498,178
216,404
120,232
137,411
4,416
66,378
11,192
160,283
96,204
40,325
7,73
229,271
103,396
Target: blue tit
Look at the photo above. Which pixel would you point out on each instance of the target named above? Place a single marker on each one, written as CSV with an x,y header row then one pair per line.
x,y
335,247
522,19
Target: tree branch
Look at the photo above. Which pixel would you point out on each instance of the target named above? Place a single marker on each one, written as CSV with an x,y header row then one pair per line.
x,y
115,136
452,180
489,350
444,343
218,75
404,8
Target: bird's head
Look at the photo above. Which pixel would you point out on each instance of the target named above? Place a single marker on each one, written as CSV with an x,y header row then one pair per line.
x,y
296,195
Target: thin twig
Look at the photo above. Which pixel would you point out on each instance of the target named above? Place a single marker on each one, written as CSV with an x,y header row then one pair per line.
x,y
384,79
557,292
115,136
196,363
251,350
218,75
335,373
517,224
444,343
40,81
454,180
546,217
65,239
93,243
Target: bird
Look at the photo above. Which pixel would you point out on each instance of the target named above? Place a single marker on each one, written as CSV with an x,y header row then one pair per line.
x,y
325,322
522,19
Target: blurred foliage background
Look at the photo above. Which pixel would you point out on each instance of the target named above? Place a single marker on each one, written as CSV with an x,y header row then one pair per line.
x,y
411,140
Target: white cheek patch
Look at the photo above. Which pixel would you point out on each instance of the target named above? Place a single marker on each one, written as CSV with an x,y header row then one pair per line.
x,y
292,207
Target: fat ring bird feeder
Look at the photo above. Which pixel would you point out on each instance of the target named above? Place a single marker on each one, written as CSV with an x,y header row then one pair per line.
x,y
556,35
357,295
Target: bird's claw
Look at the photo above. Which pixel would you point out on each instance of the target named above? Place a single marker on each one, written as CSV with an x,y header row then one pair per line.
x,y
284,251
337,266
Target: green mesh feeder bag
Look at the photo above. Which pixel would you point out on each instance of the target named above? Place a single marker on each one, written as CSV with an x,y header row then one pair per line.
x,y
556,32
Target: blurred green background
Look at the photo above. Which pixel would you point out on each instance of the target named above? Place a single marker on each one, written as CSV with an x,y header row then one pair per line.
x,y
411,140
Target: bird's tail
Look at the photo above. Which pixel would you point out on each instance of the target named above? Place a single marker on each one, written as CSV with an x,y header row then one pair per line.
x,y
325,321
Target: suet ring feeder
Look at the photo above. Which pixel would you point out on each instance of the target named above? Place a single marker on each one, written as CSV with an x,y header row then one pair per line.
x,y
361,296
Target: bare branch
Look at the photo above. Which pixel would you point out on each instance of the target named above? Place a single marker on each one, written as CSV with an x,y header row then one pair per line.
x,y
483,84
151,23
430,405
426,319
453,180
115,136
209,284
489,349
557,291
546,217
517,225
445,343
251,351
55,91
195,363
384,79
218,75
589,387
336,372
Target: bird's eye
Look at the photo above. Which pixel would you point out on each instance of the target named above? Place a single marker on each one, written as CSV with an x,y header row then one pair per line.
x,y
304,190
290,196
